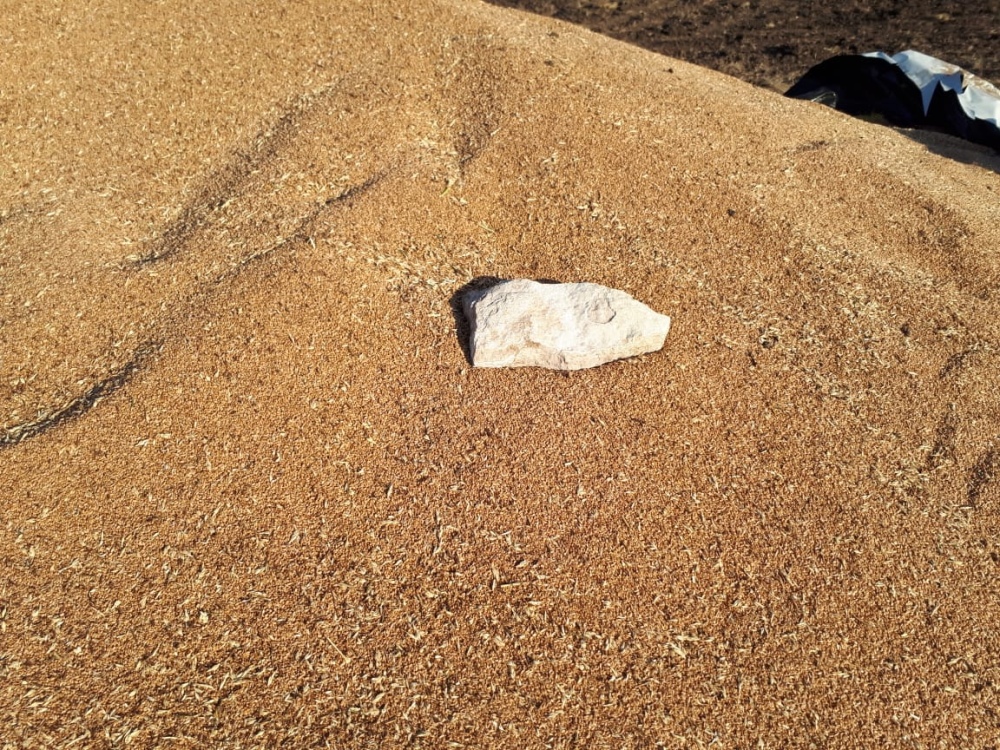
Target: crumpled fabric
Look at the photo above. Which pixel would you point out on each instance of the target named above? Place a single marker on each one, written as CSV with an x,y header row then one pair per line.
x,y
909,89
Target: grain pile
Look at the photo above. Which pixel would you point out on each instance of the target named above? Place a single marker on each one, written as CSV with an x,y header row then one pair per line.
x,y
253,495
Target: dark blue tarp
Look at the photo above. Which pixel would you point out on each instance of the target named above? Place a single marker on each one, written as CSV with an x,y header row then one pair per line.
x,y
909,90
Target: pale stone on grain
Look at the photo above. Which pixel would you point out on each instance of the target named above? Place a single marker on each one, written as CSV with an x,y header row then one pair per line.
x,y
524,323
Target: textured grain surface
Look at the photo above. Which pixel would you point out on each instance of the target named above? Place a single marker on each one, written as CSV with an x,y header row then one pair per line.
x,y
254,496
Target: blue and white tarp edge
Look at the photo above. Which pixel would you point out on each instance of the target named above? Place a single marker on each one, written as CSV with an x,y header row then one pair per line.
x,y
978,98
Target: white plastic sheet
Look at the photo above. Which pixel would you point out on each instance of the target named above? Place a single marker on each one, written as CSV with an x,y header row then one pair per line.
x,y
979,99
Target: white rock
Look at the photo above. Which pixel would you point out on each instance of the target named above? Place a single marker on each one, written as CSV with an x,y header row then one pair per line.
x,y
524,323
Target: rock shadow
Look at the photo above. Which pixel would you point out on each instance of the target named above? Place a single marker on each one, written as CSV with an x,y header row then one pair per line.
x,y
462,327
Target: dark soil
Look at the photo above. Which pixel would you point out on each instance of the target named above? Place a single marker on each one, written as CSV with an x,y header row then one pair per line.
x,y
772,42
